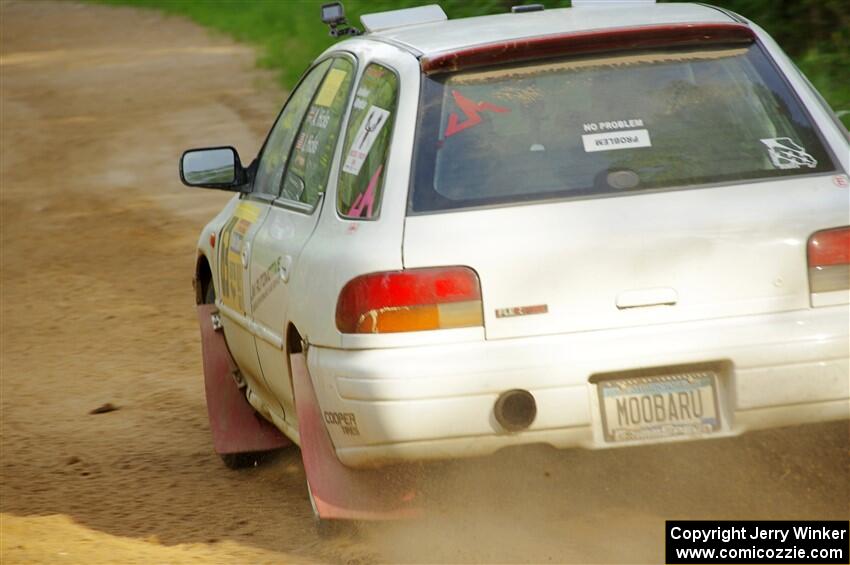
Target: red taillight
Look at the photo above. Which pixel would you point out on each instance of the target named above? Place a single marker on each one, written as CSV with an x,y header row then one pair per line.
x,y
410,300
829,247
829,266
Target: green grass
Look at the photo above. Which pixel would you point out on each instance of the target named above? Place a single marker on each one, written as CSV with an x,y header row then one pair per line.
x,y
289,33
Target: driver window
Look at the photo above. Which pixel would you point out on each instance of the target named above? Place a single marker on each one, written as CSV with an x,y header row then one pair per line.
x,y
273,161
310,162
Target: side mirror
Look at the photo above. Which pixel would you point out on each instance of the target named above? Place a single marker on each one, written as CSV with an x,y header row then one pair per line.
x,y
214,167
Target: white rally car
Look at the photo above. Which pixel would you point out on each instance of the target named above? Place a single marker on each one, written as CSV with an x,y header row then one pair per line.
x,y
601,226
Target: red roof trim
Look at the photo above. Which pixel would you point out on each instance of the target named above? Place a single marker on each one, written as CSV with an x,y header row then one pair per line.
x,y
518,50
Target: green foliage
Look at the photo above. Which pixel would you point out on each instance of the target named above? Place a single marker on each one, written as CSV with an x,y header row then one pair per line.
x,y
815,34
290,34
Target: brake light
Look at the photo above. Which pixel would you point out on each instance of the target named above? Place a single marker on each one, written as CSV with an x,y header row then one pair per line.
x,y
829,263
410,300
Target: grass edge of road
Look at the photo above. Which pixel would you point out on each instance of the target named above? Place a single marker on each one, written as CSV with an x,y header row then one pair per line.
x,y
289,49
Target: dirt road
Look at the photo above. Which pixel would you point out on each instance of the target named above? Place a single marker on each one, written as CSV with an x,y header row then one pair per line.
x,y
97,254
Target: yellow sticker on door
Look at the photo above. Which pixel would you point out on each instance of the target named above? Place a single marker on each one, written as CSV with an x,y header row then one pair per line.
x,y
247,211
330,87
232,262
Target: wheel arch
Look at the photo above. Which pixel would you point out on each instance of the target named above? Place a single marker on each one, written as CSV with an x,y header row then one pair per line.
x,y
202,279
294,341
294,346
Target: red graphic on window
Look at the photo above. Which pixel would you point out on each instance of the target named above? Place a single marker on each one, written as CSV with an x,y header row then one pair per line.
x,y
470,109
366,200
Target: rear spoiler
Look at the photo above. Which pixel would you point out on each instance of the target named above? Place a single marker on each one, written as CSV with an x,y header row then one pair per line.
x,y
644,37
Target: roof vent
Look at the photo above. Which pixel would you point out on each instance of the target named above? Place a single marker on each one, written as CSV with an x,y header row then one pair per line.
x,y
527,8
397,18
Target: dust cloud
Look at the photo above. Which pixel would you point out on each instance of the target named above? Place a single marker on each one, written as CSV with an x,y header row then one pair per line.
x,y
541,505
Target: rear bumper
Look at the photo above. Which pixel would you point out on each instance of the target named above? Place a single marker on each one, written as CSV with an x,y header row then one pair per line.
x,y
412,403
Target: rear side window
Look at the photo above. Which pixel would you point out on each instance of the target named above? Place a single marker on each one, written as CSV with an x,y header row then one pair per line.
x,y
612,124
310,161
367,144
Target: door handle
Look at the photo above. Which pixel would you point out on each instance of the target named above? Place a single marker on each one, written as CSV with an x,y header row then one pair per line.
x,y
643,297
285,264
245,255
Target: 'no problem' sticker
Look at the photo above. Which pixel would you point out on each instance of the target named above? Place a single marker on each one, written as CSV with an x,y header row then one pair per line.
x,y
615,134
616,140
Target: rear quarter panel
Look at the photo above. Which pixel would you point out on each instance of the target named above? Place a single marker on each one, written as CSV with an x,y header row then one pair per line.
x,y
341,249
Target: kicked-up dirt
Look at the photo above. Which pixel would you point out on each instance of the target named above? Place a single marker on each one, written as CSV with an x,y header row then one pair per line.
x,y
98,241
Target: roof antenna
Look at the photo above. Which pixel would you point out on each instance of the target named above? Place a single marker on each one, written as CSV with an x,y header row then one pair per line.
x,y
333,14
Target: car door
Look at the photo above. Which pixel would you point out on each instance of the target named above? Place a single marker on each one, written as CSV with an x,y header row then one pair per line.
x,y
291,220
232,297
238,233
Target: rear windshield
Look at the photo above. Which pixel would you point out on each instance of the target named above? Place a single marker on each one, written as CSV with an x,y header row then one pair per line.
x,y
611,124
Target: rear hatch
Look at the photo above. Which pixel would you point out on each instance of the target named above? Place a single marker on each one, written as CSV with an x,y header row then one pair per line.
x,y
621,189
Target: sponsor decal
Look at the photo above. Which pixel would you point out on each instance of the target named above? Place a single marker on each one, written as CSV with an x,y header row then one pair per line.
x,y
346,421
522,311
612,125
785,154
265,283
365,201
330,87
471,111
627,139
375,71
247,211
615,134
318,117
371,126
231,246
307,143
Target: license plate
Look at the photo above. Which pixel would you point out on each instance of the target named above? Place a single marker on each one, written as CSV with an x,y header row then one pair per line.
x,y
657,407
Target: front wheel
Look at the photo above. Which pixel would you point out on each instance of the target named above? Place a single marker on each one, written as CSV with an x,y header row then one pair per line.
x,y
209,295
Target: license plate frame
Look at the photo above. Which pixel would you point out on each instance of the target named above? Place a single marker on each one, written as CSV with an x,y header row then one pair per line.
x,y
669,393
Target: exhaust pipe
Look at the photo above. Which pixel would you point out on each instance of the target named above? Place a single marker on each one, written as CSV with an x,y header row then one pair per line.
x,y
515,410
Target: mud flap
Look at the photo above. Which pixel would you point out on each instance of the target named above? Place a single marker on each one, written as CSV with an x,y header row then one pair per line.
x,y
340,492
235,426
